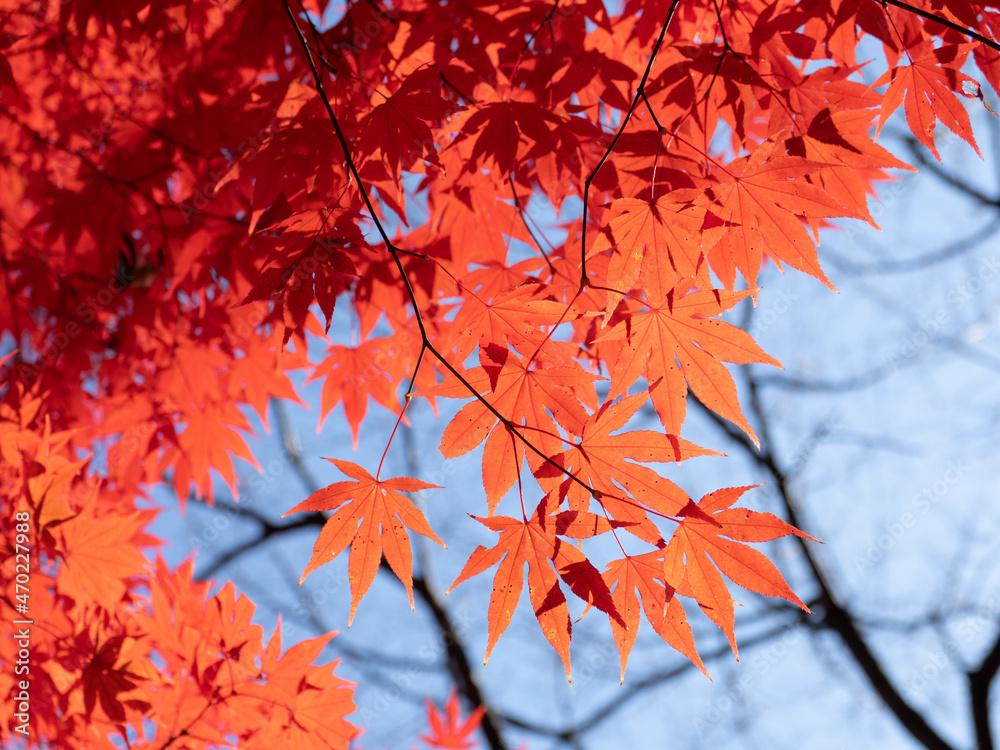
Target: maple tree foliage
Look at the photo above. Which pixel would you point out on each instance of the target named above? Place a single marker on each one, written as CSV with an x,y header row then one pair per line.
x,y
188,190
449,730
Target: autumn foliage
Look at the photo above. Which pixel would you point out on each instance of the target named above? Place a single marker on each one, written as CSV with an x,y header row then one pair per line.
x,y
189,189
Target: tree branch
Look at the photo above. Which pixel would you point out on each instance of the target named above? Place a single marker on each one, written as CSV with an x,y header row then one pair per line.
x,y
934,168
944,22
268,530
980,682
841,385
640,93
458,664
835,616
625,696
918,262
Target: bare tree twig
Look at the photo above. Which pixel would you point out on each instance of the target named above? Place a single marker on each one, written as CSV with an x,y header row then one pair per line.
x,y
980,682
857,382
634,690
944,22
918,262
934,168
835,616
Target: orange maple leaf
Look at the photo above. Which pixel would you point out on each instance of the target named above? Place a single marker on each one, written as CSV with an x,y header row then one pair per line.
x,y
840,138
927,87
448,730
758,206
651,241
512,318
317,701
606,462
350,374
372,522
684,329
697,544
525,393
534,542
645,574
99,556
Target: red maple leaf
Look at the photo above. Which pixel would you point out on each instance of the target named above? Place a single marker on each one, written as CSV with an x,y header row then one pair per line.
x,y
449,730
370,517
700,549
927,87
396,130
534,542
684,329
758,206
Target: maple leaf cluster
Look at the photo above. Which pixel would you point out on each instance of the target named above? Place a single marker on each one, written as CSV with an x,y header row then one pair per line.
x,y
120,646
190,189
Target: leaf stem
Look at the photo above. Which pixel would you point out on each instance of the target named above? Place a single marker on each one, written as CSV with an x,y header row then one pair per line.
x,y
640,93
943,21
394,251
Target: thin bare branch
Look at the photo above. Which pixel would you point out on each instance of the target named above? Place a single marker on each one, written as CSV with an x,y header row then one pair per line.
x,y
834,615
944,22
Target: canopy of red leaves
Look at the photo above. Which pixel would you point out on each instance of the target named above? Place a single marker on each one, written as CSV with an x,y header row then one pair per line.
x,y
189,189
